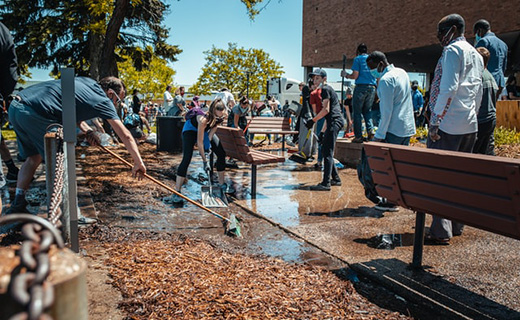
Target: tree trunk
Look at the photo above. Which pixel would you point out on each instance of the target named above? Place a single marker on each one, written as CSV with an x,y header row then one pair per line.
x,y
95,43
108,64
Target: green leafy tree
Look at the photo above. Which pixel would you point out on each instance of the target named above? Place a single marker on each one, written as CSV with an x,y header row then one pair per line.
x,y
229,68
150,81
90,35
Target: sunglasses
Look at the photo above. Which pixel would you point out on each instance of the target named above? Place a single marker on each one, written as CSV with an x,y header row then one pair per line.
x,y
220,108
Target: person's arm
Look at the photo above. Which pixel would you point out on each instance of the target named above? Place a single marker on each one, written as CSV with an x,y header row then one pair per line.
x,y
354,75
146,124
203,122
386,97
139,168
448,86
98,125
511,96
235,120
324,111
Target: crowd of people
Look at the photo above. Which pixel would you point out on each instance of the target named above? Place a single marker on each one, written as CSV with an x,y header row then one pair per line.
x,y
459,110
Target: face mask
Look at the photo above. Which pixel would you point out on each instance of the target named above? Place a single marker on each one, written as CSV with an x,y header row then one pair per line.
x,y
447,39
477,38
414,88
376,74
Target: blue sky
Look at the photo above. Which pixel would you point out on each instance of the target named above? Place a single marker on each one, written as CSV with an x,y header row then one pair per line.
x,y
197,25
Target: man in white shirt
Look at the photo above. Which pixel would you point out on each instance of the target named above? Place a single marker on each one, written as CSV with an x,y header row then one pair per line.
x,y
168,99
456,93
227,98
397,124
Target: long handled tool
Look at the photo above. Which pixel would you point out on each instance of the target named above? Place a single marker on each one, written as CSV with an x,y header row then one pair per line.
x,y
230,224
212,197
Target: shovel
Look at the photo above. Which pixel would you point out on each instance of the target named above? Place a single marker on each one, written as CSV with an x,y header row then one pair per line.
x,y
231,224
213,198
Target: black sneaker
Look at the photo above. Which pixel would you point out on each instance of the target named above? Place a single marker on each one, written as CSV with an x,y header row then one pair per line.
x,y
18,208
318,166
387,207
357,140
12,176
320,187
335,182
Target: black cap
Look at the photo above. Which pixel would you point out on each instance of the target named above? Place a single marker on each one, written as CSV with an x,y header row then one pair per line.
x,y
415,82
318,72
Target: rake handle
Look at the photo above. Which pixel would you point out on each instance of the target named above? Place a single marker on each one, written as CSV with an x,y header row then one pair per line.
x,y
166,186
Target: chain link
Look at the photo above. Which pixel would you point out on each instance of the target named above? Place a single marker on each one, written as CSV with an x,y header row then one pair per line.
x,y
28,285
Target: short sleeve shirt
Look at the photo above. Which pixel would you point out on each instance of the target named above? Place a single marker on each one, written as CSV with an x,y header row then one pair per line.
x,y
334,108
316,99
91,101
360,65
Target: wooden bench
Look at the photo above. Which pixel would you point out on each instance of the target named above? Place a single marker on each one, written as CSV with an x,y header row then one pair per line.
x,y
477,190
236,147
271,125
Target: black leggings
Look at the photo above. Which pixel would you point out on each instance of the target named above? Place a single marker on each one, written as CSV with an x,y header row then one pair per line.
x,y
189,139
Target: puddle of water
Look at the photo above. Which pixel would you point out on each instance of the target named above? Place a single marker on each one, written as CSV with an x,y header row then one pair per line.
x,y
286,248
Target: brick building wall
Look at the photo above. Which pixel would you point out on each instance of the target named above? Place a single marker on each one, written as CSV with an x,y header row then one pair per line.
x,y
406,28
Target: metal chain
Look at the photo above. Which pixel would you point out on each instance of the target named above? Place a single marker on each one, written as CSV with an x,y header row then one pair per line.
x,y
57,192
28,285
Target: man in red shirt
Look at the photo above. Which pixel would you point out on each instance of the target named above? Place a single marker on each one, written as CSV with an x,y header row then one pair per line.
x,y
316,105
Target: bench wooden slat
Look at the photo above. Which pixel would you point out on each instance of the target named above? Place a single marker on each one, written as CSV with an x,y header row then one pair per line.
x,y
458,179
459,196
477,218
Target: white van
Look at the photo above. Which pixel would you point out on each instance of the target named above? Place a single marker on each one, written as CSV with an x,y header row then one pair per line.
x,y
284,89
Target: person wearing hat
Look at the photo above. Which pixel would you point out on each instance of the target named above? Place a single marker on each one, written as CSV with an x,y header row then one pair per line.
x,y
418,102
331,111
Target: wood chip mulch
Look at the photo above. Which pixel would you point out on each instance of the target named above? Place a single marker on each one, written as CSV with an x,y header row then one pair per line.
x,y
175,277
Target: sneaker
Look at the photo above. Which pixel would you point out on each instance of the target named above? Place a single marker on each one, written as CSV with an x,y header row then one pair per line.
x,y
385,206
335,182
318,166
18,206
320,187
12,176
85,220
357,140
227,188
173,199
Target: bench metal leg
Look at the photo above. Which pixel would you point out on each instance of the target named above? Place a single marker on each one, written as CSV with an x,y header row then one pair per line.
x,y
253,181
418,242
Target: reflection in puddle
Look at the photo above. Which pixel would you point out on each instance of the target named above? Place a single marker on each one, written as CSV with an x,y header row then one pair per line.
x,y
286,249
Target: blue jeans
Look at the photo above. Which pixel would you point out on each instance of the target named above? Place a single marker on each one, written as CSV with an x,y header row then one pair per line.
x,y
362,103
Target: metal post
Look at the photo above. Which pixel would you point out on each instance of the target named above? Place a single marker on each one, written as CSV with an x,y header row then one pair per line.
x,y
253,181
247,84
418,242
70,199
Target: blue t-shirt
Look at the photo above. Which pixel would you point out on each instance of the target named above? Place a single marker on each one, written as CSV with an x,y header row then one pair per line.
x,y
417,99
360,65
91,101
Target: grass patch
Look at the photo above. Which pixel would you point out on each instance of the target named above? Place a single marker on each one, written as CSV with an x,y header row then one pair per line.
x,y
505,136
8,134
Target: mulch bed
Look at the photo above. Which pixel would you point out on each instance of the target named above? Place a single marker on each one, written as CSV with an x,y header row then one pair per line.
x,y
164,276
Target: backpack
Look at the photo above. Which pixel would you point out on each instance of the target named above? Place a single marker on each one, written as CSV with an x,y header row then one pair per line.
x,y
132,121
194,112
